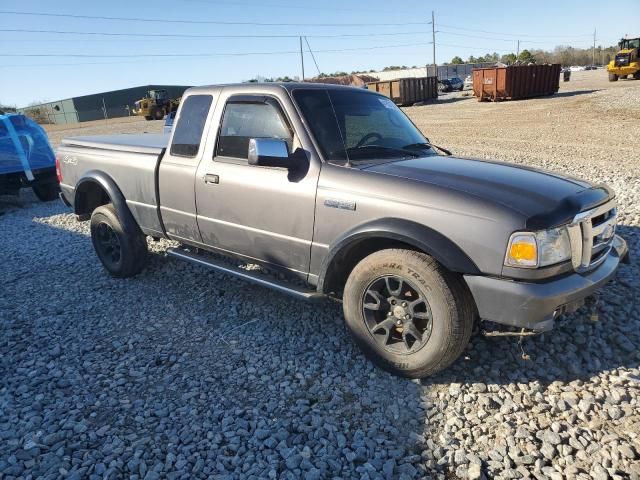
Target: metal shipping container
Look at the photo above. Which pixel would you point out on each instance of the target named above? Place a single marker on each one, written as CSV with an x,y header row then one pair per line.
x,y
407,91
516,81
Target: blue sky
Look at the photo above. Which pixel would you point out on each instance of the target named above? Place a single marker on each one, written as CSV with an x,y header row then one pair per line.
x,y
468,28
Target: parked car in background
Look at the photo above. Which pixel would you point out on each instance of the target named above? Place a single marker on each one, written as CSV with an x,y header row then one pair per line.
x,y
168,123
26,158
336,189
450,84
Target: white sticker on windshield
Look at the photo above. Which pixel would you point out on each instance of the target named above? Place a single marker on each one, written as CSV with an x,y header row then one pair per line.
x,y
387,103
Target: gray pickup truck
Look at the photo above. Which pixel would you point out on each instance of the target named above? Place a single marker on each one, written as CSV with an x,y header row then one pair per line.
x,y
337,189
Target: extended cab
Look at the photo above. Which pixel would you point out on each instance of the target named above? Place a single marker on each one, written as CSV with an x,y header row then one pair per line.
x,y
335,187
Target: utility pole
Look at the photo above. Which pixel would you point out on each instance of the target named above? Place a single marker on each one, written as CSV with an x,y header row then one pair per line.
x,y
518,50
593,55
302,58
433,35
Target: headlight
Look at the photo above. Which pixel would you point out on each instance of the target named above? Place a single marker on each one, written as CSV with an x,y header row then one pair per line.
x,y
538,249
554,246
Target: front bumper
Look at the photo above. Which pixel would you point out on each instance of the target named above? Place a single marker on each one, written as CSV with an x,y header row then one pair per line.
x,y
626,70
534,306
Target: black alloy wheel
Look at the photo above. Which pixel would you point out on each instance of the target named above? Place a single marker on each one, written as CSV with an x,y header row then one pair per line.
x,y
108,244
397,315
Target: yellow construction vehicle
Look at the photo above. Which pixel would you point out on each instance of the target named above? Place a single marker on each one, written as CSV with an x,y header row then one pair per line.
x,y
627,60
155,105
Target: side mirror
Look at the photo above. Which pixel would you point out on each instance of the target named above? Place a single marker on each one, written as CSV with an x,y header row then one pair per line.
x,y
269,152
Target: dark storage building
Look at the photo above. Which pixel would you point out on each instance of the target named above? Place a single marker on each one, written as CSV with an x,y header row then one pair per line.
x,y
116,103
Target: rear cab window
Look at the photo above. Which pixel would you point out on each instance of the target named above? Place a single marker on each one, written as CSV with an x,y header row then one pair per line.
x,y
187,135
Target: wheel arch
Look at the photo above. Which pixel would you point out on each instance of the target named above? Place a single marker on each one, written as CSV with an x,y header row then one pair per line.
x,y
363,240
96,188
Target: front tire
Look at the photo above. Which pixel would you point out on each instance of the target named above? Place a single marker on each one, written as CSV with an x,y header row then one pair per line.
x,y
123,254
613,77
158,114
407,313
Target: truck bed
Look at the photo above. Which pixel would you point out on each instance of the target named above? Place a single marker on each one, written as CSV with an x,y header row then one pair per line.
x,y
148,143
128,160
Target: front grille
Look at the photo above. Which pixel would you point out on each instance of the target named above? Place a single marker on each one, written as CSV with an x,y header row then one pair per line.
x,y
591,234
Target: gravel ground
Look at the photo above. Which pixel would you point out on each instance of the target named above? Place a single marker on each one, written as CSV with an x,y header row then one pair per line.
x,y
185,373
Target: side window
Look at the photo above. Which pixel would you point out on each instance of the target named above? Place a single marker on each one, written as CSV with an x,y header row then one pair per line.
x,y
188,130
244,121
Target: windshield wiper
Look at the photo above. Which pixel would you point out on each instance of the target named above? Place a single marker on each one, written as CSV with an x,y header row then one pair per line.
x,y
385,149
428,145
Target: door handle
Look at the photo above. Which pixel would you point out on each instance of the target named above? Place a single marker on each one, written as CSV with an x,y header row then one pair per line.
x,y
211,178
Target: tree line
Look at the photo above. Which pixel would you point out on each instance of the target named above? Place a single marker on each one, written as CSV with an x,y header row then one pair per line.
x,y
562,54
7,108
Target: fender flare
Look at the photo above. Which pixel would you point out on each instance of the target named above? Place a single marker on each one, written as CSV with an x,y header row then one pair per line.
x,y
419,236
118,201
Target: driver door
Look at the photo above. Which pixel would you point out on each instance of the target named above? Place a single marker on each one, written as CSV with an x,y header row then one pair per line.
x,y
258,212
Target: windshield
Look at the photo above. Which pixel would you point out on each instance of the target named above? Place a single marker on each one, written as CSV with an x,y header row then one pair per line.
x,y
358,126
630,43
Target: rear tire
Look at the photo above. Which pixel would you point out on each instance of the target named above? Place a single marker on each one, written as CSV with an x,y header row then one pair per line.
x,y
637,75
613,77
158,114
148,118
46,192
391,294
123,254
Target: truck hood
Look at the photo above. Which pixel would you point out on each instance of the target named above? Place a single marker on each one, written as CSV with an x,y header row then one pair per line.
x,y
545,199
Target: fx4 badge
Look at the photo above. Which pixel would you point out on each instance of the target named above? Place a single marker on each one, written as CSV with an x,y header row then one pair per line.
x,y
342,204
69,160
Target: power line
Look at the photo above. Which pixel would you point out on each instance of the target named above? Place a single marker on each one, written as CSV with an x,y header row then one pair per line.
x,y
137,62
187,35
229,54
509,40
513,34
282,5
484,49
237,54
312,55
206,22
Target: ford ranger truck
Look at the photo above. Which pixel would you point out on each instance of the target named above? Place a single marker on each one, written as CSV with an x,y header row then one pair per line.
x,y
336,188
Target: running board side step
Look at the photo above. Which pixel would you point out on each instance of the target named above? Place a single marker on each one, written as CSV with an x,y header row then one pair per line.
x,y
257,278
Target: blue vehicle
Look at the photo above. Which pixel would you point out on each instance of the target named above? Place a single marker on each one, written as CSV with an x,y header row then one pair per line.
x,y
26,158
168,123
